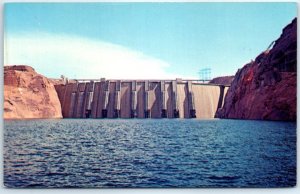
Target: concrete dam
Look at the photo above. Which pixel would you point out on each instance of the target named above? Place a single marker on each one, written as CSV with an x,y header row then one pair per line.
x,y
140,98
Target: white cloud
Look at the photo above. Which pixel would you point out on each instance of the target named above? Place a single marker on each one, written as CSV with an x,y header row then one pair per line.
x,y
78,57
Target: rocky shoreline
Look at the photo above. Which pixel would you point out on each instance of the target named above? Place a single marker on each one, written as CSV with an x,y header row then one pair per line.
x,y
28,94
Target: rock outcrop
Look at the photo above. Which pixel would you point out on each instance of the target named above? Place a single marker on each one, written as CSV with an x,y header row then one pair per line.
x,y
28,94
266,88
224,80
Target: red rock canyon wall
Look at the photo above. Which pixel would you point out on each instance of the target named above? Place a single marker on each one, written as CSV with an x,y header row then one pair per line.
x,y
28,94
266,88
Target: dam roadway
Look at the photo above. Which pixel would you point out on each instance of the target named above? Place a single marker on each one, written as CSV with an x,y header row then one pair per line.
x,y
140,98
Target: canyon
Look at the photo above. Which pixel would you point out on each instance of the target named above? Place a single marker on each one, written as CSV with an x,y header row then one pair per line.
x,y
264,89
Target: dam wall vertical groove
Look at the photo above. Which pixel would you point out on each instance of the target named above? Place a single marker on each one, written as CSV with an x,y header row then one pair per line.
x,y
134,100
117,106
192,109
221,97
140,99
163,100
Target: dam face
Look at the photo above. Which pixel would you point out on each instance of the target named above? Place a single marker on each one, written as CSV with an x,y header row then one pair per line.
x,y
140,99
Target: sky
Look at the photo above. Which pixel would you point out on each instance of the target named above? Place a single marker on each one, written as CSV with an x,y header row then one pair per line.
x,y
140,40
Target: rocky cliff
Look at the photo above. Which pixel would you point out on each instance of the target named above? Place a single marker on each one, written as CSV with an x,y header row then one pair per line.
x,y
28,94
224,80
266,88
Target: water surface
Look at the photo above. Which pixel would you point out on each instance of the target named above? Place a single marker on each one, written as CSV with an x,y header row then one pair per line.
x,y
149,153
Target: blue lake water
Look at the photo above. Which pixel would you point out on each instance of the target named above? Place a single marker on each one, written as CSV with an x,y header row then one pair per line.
x,y
149,153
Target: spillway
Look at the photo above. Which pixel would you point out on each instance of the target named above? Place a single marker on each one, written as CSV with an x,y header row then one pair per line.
x,y
140,99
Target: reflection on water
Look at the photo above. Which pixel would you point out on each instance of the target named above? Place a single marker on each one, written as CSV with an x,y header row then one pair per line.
x,y
149,153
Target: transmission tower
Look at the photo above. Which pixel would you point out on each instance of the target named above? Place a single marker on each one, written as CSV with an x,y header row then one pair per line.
x,y
205,74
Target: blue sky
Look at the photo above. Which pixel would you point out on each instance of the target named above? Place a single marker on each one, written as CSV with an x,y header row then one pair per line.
x,y
140,40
